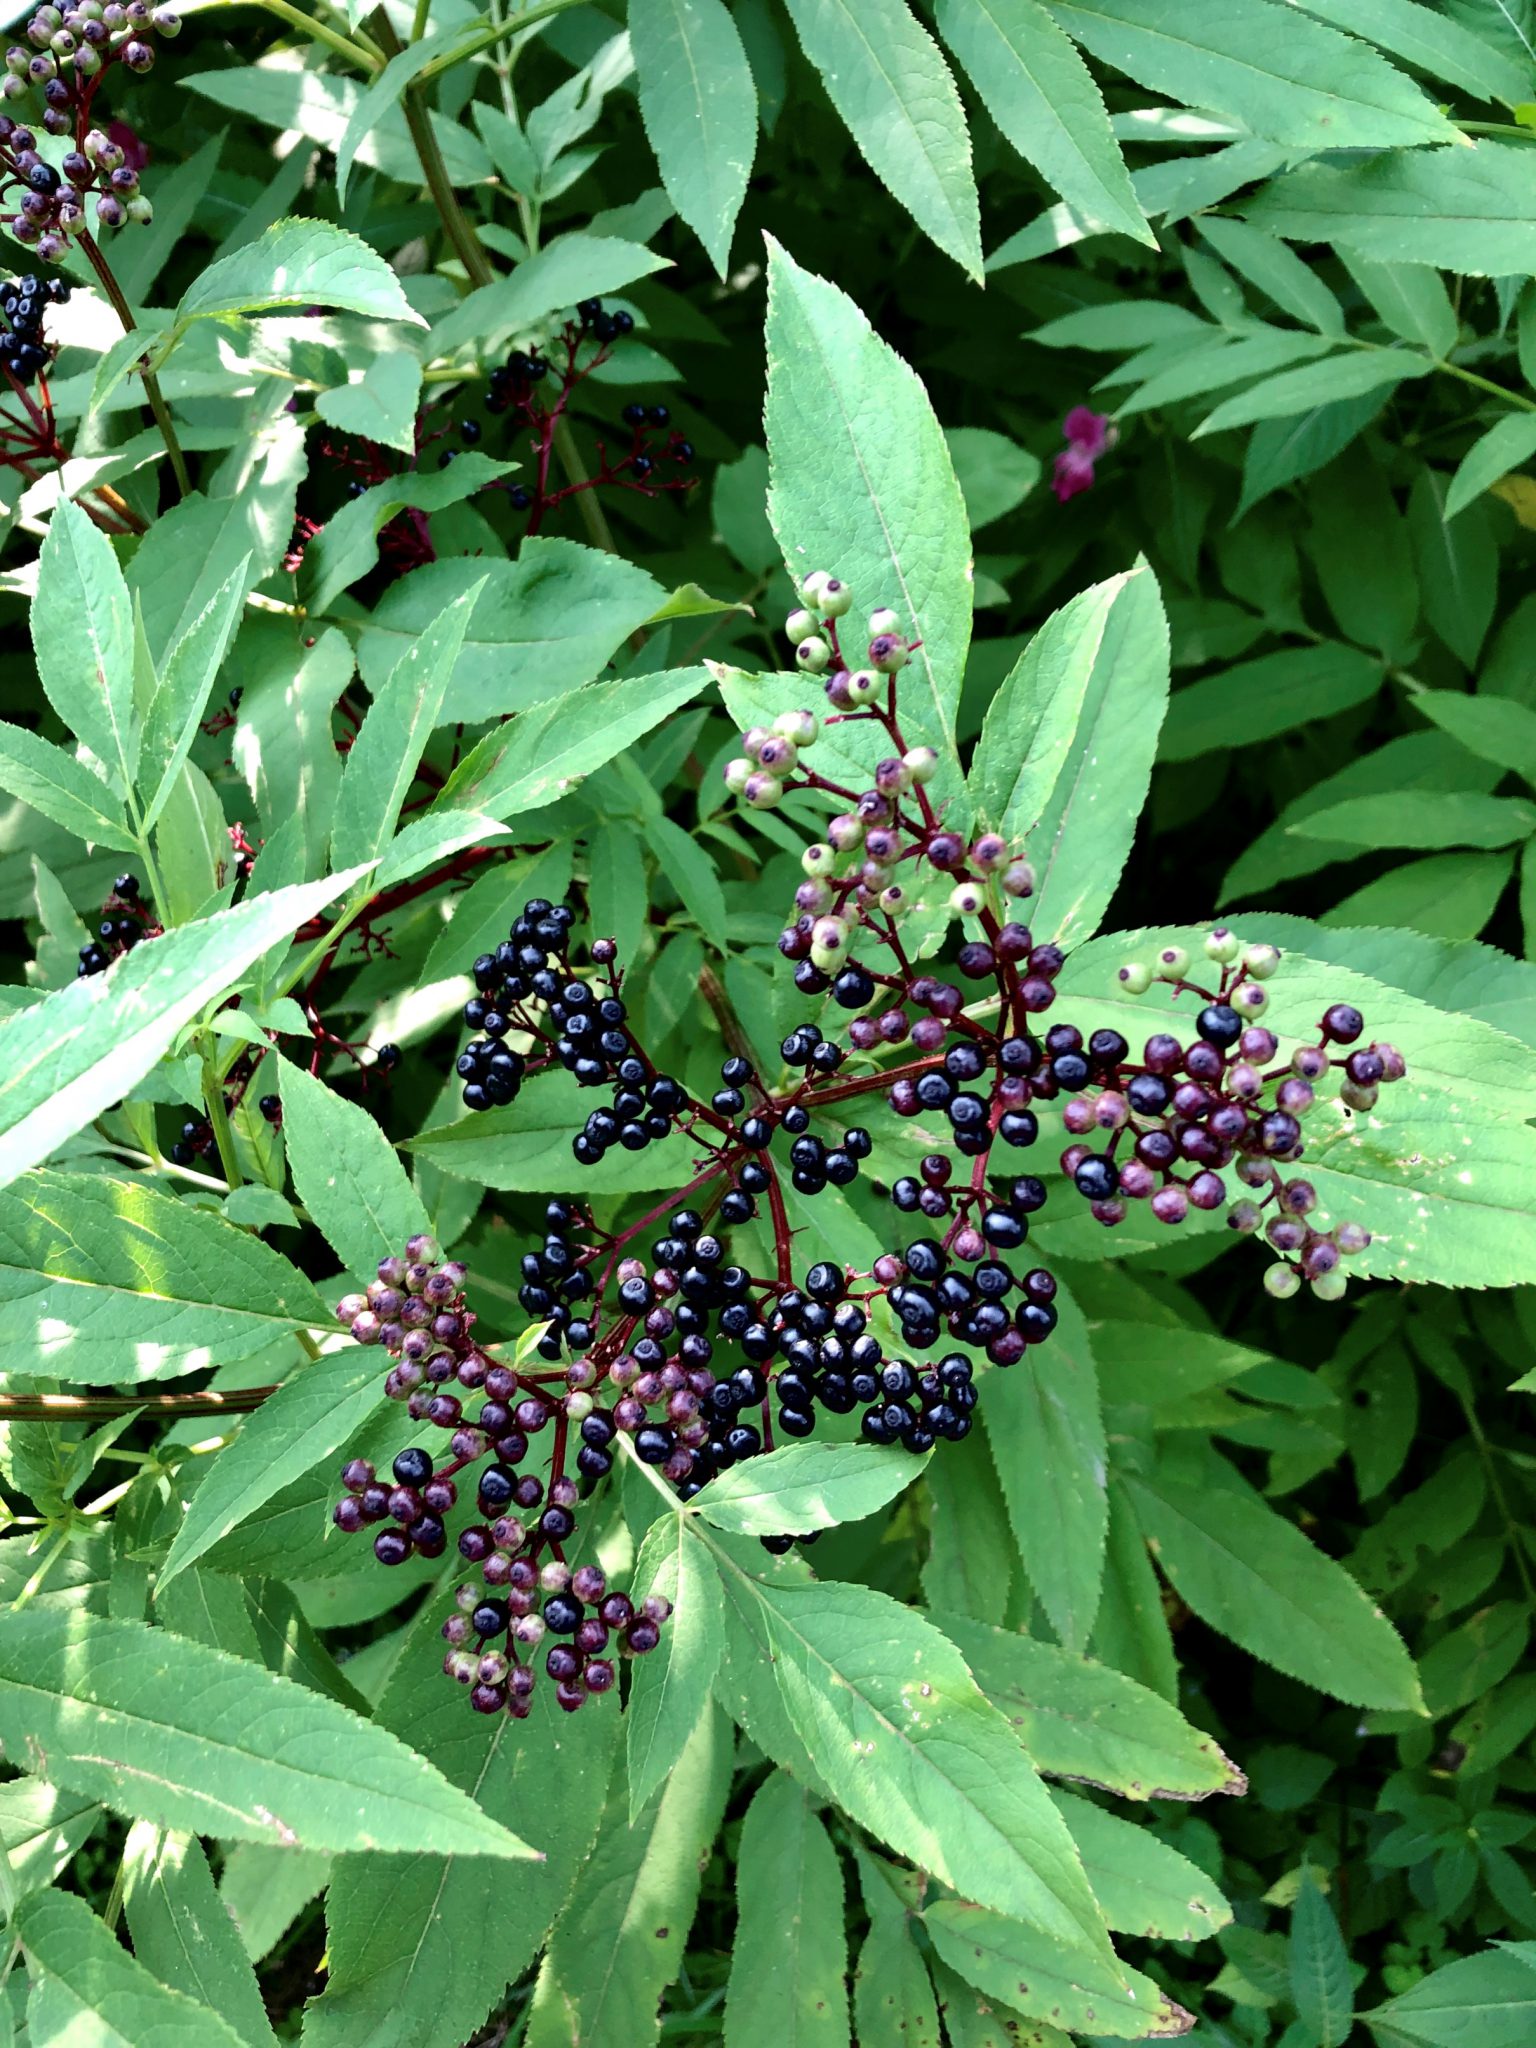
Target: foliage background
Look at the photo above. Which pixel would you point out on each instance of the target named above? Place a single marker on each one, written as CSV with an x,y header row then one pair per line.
x,y
1321,357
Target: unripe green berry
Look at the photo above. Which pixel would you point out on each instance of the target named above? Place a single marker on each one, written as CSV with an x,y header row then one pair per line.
x,y
762,791
830,934
967,898
812,655
883,621
579,1406
752,740
921,763
1171,963
799,624
1248,999
989,853
1282,1282
778,755
1222,945
1135,977
846,831
1351,1238
738,773
1355,1096
811,586
862,686
1244,1217
1018,879
1331,1286
818,860
1262,961
139,210
888,653
894,898
799,726
834,599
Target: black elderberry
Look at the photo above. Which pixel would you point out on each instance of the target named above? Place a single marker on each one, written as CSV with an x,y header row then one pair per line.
x,y
413,1467
1097,1178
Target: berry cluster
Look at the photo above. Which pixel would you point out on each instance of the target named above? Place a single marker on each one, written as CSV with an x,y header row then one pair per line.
x,y
661,1339
70,53
525,1591
23,302
126,917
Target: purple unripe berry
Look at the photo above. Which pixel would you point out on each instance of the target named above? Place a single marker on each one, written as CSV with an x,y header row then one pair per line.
x,y
138,56
1170,1205
989,853
109,211
887,653
1343,1023
348,1515
1310,1062
366,1328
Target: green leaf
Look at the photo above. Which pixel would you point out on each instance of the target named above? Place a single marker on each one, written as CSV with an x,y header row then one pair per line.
x,y
379,405
384,756
186,676
893,2003
346,1174
541,627
620,1940
1279,273
1047,1437
111,1282
1464,209
806,1486
1145,1887
1409,298
311,1415
87,1988
192,850
1458,566
1496,729
894,1723
670,1686
1255,700
884,74
264,1890
283,745
688,869
1083,836
1255,1578
1030,1971
1321,1983
406,1936
969,1569
62,788
1435,818
862,486
69,1058
82,638
40,1830
994,473
1079,1719
1281,76
298,263
544,754
790,1956
163,1728
182,1934
1032,721
1479,2001
1508,443
1430,43
1298,391
1044,98
699,106
383,93
561,274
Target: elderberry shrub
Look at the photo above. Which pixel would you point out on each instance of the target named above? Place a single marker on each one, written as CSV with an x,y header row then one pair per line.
x,y
681,1354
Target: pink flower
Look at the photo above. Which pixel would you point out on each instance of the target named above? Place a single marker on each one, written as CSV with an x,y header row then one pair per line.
x,y
1088,435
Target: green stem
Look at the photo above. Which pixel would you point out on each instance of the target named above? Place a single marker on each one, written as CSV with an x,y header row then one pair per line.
x,y
218,1116
599,532
489,37
1486,384
102,1407
1512,1532
152,391
477,265
419,20
355,53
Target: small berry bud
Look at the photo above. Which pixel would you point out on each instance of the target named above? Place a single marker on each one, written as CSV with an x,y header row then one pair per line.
x,y
812,655
921,763
799,626
819,859
1135,977
1171,963
966,899
861,687
738,773
811,586
1260,963
1222,945
834,598
883,621
799,726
